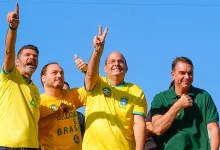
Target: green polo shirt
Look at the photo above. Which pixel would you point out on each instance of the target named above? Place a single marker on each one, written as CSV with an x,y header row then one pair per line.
x,y
189,129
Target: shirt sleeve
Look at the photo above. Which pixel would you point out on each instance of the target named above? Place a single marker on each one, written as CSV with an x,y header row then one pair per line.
x,y
4,76
211,110
79,96
140,107
157,107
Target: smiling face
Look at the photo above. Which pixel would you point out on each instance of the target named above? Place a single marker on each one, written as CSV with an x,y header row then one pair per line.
x,y
53,77
27,61
183,75
116,65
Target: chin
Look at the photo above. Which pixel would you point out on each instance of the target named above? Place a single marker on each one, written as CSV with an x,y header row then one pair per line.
x,y
186,85
29,71
59,86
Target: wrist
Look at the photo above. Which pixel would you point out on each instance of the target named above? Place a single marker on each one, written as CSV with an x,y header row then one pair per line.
x,y
12,28
177,107
84,72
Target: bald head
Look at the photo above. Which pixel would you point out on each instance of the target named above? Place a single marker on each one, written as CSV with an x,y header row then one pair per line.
x,y
115,54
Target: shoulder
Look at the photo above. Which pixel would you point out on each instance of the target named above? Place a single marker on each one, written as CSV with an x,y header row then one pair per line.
x,y
164,93
198,91
134,87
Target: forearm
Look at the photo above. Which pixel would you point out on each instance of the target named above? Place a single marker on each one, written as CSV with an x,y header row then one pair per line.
x,y
163,123
149,129
139,134
10,49
92,74
215,139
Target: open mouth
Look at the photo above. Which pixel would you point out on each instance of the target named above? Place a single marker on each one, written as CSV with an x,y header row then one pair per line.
x,y
30,64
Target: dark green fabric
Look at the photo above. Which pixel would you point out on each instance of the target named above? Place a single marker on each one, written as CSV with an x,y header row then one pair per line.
x,y
189,129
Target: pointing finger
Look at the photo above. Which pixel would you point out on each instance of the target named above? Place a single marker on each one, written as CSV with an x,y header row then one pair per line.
x,y
17,10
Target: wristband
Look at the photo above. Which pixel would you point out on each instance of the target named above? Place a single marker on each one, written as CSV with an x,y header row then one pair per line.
x,y
12,28
84,72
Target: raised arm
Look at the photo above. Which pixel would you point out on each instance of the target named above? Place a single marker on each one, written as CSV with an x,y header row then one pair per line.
x,y
92,74
9,56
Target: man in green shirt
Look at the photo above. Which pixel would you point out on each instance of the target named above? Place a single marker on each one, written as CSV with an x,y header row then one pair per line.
x,y
182,114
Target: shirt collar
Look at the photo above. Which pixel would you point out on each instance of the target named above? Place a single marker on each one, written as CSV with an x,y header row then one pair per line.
x,y
118,86
174,95
26,80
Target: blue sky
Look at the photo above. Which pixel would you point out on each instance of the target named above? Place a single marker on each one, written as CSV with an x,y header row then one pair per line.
x,y
149,33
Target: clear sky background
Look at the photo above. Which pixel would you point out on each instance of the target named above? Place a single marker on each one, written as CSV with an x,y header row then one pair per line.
x,y
149,33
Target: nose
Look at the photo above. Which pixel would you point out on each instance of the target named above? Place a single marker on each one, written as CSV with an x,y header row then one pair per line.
x,y
31,56
59,74
187,76
117,63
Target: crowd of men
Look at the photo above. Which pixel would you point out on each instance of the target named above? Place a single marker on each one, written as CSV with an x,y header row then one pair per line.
x,y
179,119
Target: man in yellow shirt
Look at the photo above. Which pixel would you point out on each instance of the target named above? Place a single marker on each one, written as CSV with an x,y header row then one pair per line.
x,y
19,97
115,109
58,126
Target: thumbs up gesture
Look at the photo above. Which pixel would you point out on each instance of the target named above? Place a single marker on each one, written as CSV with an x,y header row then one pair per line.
x,y
80,64
13,17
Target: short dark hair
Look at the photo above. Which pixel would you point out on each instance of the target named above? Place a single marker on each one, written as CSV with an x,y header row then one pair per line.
x,y
66,83
29,46
44,70
181,59
171,84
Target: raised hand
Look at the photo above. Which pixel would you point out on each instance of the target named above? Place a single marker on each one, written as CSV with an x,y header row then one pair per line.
x,y
99,40
13,17
80,64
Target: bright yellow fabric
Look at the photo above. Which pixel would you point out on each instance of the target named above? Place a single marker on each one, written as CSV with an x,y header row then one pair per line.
x,y
62,133
19,111
110,114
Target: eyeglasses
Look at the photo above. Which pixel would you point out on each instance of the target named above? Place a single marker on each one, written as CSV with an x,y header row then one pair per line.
x,y
113,61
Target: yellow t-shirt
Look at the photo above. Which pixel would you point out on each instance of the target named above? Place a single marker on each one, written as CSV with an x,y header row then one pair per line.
x,y
19,111
62,133
110,115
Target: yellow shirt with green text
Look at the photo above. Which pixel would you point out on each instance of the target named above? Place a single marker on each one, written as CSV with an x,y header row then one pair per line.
x,y
110,114
62,133
19,111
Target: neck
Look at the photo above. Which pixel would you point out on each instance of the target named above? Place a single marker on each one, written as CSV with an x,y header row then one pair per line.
x,y
116,81
181,91
26,75
52,91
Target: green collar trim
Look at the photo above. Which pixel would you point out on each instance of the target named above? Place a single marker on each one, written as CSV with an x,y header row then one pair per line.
x,y
118,86
26,80
174,95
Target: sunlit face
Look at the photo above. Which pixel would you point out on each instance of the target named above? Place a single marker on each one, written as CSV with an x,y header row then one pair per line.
x,y
183,75
54,77
27,61
115,65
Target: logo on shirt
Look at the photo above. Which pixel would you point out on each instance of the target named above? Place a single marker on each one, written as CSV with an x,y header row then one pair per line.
x,y
124,101
76,138
107,92
36,95
54,107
